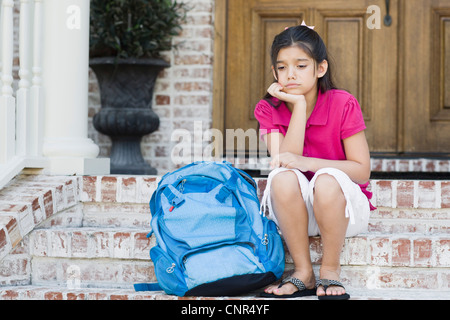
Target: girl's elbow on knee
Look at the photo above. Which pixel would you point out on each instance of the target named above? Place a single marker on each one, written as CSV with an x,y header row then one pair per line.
x,y
364,177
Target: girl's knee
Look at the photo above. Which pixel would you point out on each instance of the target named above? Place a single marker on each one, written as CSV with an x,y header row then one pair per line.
x,y
327,189
285,186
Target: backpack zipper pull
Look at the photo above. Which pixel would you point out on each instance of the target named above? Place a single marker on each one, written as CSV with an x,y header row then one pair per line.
x,y
181,188
171,269
265,241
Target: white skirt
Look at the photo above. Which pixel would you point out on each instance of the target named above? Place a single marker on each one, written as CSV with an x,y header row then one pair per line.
x,y
357,207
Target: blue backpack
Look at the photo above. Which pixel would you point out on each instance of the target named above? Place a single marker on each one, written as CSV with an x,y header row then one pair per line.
x,y
211,238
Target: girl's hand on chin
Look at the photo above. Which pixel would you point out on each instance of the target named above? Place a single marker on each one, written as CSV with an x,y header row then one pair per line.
x,y
276,90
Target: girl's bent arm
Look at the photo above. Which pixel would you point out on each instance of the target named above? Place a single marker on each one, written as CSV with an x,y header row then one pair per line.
x,y
295,136
294,140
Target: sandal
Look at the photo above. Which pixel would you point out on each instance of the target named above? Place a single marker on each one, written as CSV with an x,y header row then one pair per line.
x,y
325,283
302,290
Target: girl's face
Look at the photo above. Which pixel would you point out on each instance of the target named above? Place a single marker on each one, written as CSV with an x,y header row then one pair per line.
x,y
297,72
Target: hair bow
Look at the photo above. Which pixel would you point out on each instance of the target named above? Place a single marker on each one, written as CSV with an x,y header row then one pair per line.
x,y
303,24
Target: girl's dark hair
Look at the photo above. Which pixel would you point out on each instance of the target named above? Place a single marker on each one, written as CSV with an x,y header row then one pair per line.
x,y
309,41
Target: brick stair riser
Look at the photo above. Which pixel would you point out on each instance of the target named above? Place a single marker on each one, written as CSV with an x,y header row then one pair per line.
x,y
90,273
387,193
399,250
91,243
384,220
120,215
372,278
400,226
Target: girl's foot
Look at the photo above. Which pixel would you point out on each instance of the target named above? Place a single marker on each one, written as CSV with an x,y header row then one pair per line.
x,y
331,290
288,289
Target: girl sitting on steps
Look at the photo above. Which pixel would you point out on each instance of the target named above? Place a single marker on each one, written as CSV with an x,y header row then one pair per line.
x,y
321,161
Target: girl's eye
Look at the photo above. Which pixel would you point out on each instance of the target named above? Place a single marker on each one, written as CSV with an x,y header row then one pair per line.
x,y
302,66
280,68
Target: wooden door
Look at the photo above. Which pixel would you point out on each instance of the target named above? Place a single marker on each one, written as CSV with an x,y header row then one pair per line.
x,y
400,74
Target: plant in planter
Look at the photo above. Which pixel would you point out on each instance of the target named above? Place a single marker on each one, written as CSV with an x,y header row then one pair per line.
x,y
126,41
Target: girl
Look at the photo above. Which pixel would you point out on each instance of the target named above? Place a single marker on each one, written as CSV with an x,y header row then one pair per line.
x,y
315,135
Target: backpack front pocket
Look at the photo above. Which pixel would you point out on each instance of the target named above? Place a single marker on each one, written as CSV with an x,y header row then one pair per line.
x,y
202,219
204,266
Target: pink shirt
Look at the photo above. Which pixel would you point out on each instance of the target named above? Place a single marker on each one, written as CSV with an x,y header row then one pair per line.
x,y
336,116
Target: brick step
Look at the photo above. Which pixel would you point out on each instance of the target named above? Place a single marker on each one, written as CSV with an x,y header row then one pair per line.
x,y
120,257
57,293
64,293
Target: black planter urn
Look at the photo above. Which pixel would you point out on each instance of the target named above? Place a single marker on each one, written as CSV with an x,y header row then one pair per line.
x,y
126,92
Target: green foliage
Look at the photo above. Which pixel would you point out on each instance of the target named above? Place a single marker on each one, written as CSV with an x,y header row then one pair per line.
x,y
134,28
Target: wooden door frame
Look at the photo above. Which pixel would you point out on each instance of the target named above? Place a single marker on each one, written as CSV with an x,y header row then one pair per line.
x,y
219,65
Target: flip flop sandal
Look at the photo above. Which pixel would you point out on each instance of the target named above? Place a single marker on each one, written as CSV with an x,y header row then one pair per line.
x,y
326,283
302,290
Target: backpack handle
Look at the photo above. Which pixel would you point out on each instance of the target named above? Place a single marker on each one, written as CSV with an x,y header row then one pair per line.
x,y
174,197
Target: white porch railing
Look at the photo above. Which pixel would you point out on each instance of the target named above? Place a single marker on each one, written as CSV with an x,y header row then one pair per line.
x,y
43,124
21,116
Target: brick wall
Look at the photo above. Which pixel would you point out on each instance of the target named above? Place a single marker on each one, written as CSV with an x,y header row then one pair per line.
x,y
183,92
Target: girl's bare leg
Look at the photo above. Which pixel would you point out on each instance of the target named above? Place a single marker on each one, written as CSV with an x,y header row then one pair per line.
x,y
292,216
329,210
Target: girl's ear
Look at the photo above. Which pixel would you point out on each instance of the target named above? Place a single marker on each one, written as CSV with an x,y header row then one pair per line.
x,y
274,73
322,68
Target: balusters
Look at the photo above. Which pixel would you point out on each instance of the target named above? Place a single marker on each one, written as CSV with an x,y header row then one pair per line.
x,y
37,44
7,47
21,118
36,131
7,101
22,96
1,44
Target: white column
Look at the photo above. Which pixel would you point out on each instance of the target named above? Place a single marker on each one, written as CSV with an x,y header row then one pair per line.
x,y
65,85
